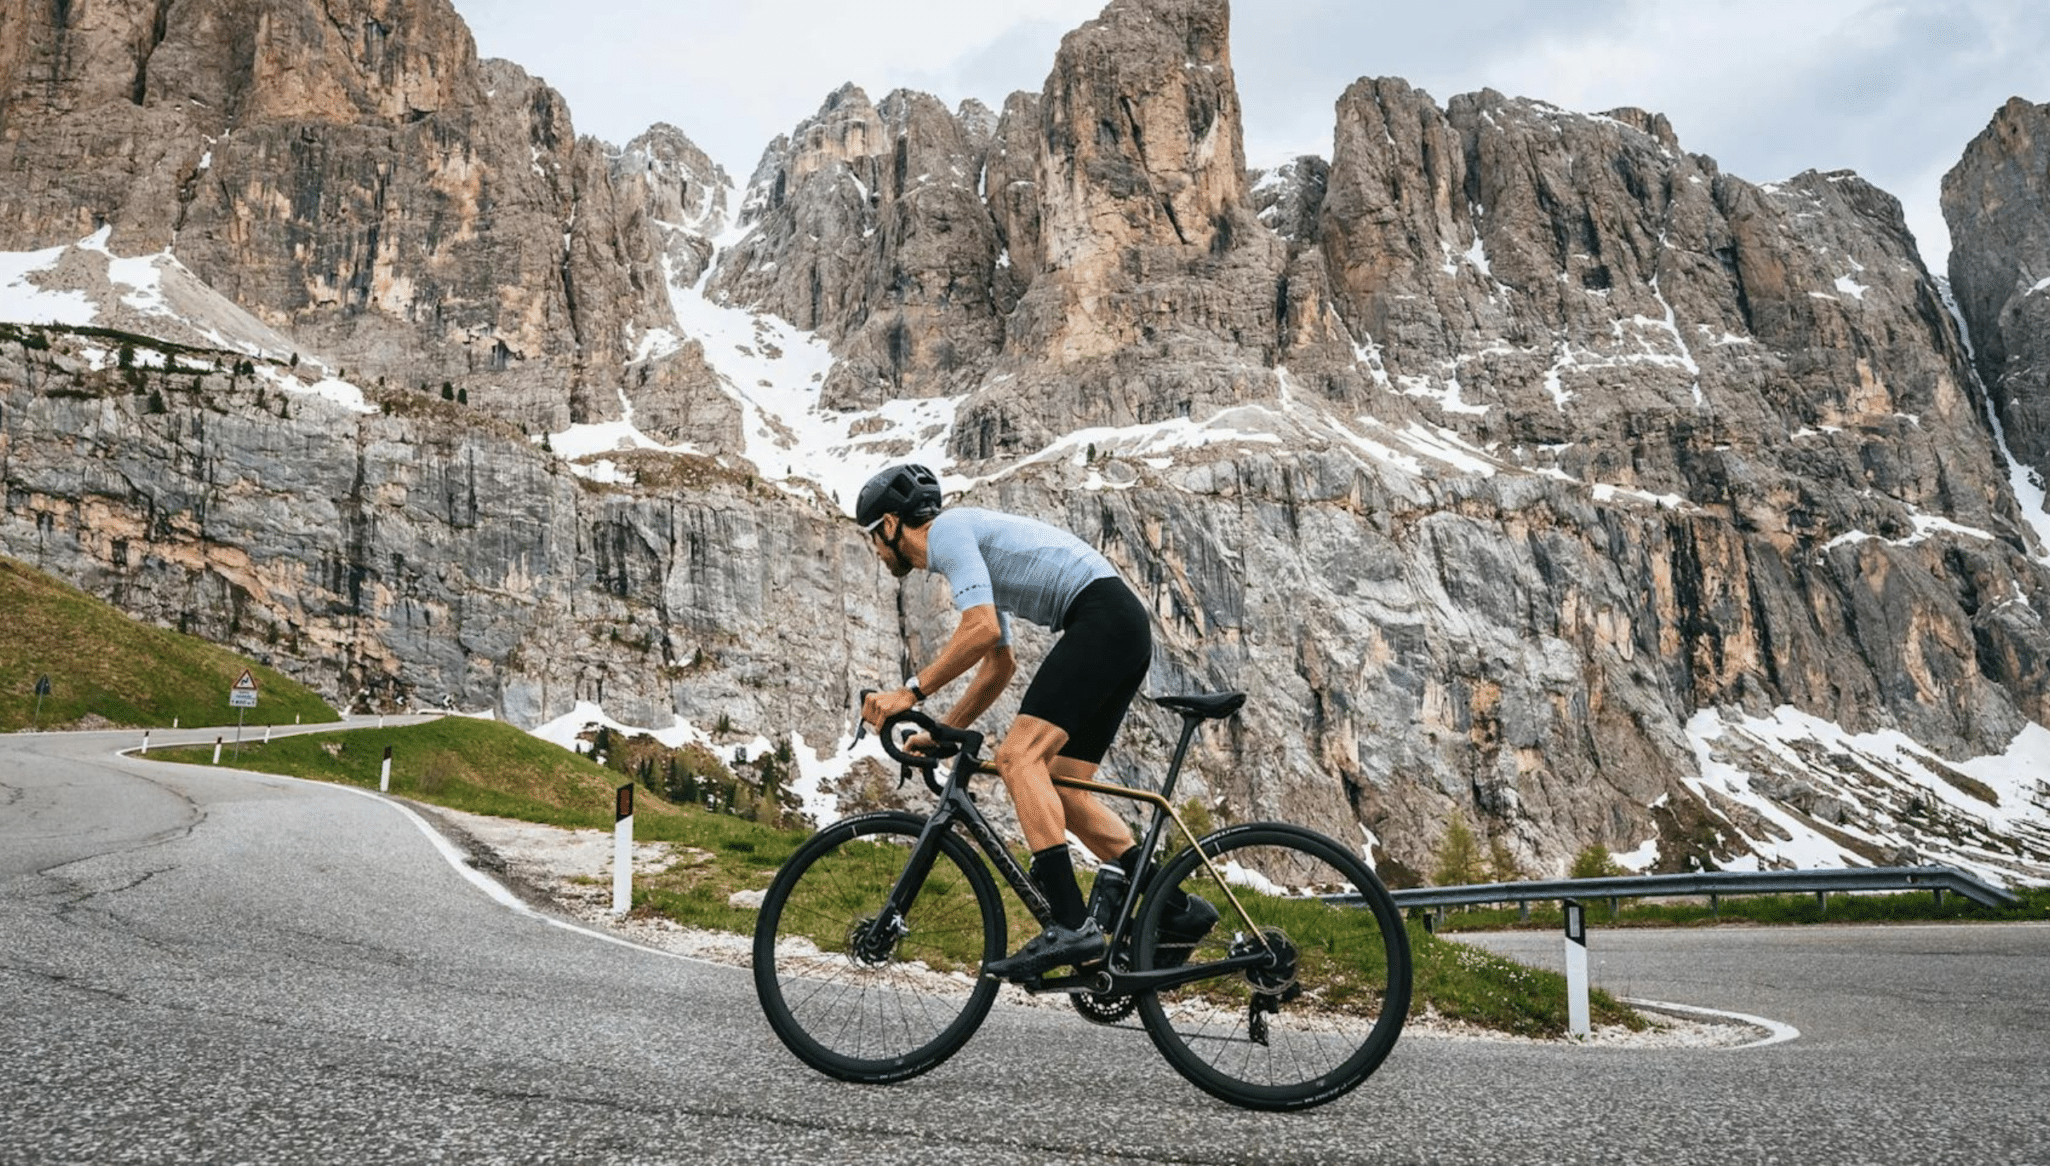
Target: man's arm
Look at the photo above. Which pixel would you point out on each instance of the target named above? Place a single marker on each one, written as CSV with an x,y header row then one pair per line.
x,y
974,639
998,666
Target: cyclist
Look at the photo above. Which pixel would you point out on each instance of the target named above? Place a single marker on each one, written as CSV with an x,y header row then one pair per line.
x,y
999,565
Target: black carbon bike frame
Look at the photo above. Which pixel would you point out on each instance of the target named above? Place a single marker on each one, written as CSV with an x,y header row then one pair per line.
x,y
957,807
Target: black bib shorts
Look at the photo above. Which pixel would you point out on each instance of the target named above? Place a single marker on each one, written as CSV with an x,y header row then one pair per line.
x,y
1094,670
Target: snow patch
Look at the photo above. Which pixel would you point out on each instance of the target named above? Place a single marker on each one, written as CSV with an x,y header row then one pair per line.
x,y
812,784
24,301
775,371
327,388
1868,768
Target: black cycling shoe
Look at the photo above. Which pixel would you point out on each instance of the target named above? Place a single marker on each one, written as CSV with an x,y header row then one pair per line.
x,y
1181,929
1055,947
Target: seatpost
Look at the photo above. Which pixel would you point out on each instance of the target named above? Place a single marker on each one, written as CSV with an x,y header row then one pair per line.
x,y
1181,749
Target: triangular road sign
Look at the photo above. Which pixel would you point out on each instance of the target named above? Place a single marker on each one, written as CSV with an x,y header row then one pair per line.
x,y
245,682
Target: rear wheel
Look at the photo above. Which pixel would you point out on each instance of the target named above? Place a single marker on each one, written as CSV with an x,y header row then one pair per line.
x,y
1326,1004
866,998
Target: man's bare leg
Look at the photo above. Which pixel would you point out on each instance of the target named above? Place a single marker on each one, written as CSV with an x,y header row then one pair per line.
x,y
1025,756
1103,832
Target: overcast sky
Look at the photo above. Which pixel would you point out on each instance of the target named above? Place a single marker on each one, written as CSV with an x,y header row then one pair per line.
x,y
1893,89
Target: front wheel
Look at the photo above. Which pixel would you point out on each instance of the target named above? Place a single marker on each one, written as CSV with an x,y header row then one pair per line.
x,y
860,995
1326,1004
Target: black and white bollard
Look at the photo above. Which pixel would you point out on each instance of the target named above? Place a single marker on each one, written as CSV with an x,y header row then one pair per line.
x,y
1576,968
145,753
266,734
384,773
217,750
623,850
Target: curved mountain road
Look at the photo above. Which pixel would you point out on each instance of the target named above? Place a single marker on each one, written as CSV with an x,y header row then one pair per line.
x,y
201,964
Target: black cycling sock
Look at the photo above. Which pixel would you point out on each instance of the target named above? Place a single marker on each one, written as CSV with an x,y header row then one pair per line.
x,y
1053,870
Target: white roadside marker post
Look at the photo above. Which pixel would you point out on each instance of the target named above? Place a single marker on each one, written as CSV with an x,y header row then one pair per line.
x,y
1576,968
217,750
623,850
266,733
384,774
145,742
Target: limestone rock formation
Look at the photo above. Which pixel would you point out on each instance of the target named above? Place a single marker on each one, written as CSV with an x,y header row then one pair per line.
x,y
1997,204
868,228
349,172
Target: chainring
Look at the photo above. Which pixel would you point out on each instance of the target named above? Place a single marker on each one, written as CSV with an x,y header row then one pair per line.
x,y
1103,1009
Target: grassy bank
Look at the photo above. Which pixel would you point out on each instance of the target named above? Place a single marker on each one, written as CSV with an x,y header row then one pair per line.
x,y
485,767
107,669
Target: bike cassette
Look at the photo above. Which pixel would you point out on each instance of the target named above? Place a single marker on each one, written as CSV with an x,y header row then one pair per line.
x,y
1278,973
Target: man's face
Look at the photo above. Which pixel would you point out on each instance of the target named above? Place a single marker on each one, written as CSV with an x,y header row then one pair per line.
x,y
892,558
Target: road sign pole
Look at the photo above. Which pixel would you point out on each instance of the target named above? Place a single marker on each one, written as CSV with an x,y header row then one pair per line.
x,y
239,714
1576,968
622,849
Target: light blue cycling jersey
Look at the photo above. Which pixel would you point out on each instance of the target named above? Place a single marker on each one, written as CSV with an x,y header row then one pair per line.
x,y
1021,565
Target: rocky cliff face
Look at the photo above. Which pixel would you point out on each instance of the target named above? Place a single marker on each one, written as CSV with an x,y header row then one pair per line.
x,y
1997,204
417,551
353,174
1523,466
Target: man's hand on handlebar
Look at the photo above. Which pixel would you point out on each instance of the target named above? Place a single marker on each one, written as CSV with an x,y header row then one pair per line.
x,y
878,707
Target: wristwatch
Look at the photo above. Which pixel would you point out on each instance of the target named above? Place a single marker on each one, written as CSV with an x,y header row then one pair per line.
x,y
911,686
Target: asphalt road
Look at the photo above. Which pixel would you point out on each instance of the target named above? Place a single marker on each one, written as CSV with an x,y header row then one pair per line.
x,y
199,965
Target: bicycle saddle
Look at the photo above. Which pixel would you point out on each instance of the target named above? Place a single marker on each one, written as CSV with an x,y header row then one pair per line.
x,y
1208,705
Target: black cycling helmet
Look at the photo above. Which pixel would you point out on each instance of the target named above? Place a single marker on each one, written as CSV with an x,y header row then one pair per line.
x,y
910,492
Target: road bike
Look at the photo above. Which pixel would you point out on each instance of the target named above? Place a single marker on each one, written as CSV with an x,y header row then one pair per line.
x,y
869,949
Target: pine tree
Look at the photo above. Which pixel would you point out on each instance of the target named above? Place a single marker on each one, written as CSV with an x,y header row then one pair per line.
x,y
1459,854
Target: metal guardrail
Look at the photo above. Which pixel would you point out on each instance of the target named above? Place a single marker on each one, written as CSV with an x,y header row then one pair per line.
x,y
1715,884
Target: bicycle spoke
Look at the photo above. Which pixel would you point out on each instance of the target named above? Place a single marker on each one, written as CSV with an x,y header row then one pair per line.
x,y
1313,1020
858,993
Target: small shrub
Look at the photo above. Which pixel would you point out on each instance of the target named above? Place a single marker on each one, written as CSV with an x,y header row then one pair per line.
x,y
1595,862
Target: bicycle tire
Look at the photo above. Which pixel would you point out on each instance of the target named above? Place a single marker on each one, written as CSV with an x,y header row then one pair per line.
x,y
888,1015
1285,1038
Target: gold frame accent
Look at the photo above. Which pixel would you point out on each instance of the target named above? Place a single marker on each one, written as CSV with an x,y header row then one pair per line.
x,y
1158,802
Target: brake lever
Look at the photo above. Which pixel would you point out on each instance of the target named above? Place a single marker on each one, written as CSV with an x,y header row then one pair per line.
x,y
860,724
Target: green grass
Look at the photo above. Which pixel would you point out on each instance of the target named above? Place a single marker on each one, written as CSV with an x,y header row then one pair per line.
x,y
107,668
1760,910
486,767
1461,982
